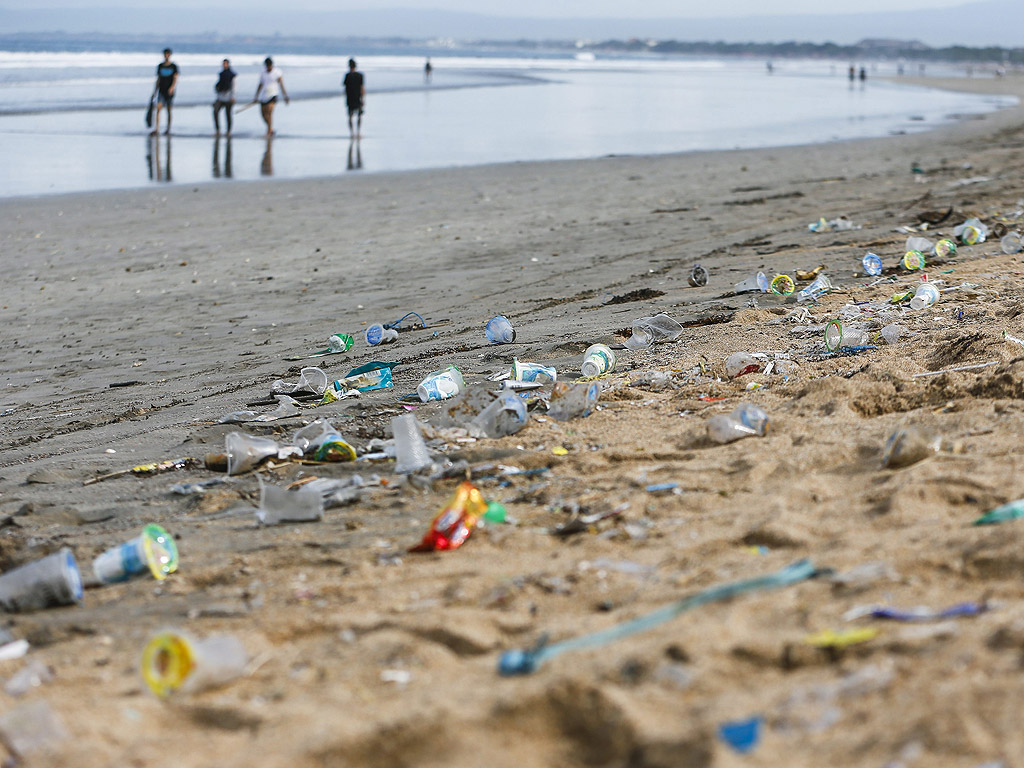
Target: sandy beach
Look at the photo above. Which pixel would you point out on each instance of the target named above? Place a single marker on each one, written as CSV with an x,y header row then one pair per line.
x,y
189,299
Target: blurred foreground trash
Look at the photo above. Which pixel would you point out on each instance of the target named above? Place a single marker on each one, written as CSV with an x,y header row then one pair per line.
x,y
526,661
411,454
456,521
499,330
571,401
440,385
598,360
174,661
32,675
745,421
153,551
909,445
917,614
1011,243
54,580
741,735
278,505
1011,511
32,729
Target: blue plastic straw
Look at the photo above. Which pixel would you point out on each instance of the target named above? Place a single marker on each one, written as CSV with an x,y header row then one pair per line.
x,y
523,662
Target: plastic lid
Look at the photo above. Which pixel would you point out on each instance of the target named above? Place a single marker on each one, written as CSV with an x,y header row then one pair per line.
x,y
167,661
161,551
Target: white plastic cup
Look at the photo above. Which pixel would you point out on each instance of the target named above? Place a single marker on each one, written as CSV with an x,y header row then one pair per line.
x,y
378,334
597,360
154,552
499,330
411,454
542,374
758,282
441,385
53,580
925,296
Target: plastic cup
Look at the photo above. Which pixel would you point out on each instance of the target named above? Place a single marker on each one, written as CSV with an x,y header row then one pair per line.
x,y
499,330
334,448
598,360
837,336
698,276
441,385
173,661
782,285
913,260
872,264
411,454
944,248
1011,243
818,288
378,334
153,551
280,506
340,342
758,282
246,451
971,235
573,401
542,374
53,580
925,295
922,244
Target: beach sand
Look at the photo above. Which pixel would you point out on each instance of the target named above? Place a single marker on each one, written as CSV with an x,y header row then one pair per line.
x,y
365,654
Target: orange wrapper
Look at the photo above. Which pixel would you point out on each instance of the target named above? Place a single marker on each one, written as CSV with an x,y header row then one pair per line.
x,y
456,521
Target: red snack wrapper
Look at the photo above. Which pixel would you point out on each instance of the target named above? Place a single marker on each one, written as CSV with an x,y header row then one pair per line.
x,y
456,521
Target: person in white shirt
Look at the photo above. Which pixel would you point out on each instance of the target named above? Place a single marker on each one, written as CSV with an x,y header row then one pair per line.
x,y
271,83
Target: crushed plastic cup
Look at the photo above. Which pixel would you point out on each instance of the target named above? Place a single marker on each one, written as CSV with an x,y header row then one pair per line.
x,y
598,360
944,248
499,330
51,581
872,264
440,385
837,336
411,454
893,333
971,232
505,415
340,342
571,401
698,276
154,552
913,260
334,448
925,295
278,505
746,420
174,661
741,363
782,285
247,451
378,334
650,330
818,288
758,282
308,438
311,379
917,243
535,372
1011,243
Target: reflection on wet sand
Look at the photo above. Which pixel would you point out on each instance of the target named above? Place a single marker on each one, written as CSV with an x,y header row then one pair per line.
x,y
216,159
158,171
267,165
355,162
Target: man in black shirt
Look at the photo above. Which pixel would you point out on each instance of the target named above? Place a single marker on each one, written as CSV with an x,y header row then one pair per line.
x,y
355,92
166,83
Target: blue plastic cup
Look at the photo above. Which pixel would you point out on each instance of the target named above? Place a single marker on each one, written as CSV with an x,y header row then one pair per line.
x,y
500,331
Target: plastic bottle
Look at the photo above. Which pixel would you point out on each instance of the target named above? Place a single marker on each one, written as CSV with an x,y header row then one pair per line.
x,y
649,330
598,360
154,551
378,334
745,421
925,296
174,661
499,330
872,264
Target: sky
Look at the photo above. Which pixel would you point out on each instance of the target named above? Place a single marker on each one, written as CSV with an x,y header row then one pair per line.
x,y
540,8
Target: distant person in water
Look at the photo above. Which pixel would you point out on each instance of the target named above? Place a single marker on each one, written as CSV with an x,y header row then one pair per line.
x,y
428,70
225,89
355,94
166,84
271,84
853,73
863,75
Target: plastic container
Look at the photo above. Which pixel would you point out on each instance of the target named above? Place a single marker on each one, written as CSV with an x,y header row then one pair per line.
x,y
280,506
499,330
378,334
872,264
441,385
913,260
154,551
782,285
758,282
174,661
411,454
247,451
53,580
698,276
746,420
818,288
340,342
925,295
506,415
649,330
535,372
1011,243
598,360
571,401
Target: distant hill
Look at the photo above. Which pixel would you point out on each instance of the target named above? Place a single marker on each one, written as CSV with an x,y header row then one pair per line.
x,y
981,23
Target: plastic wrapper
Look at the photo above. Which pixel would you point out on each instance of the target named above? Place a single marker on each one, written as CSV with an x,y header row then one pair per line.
x,y
648,331
454,523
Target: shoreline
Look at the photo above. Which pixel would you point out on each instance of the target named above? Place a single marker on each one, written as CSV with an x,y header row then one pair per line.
x,y
369,655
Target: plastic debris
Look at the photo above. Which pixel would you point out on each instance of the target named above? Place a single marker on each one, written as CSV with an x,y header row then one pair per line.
x,y
278,505
745,421
913,260
837,336
194,489
816,289
957,369
839,224
872,264
909,445
51,581
971,232
245,452
944,248
1014,510
442,384
380,334
153,552
453,524
741,363
286,407
154,468
741,735
311,379
648,331
13,649
925,296
698,276
782,285
31,729
758,282
173,661
411,454
32,675
917,614
598,360
571,401
524,662
533,372
839,640
499,330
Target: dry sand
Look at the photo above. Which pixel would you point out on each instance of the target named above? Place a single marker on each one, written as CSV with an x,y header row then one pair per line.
x,y
199,293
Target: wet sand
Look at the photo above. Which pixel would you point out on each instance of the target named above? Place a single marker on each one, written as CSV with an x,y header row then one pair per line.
x,y
368,655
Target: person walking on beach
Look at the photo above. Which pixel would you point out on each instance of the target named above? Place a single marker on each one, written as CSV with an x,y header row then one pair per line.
x,y
355,93
270,85
225,89
166,83
428,70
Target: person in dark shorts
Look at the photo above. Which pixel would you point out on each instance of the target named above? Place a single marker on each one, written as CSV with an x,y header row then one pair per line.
x,y
355,93
166,83
225,89
271,84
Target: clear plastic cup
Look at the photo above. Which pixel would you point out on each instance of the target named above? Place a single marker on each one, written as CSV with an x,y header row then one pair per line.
x,y
280,506
922,244
499,330
174,661
872,264
411,454
925,295
1011,243
51,581
154,551
698,276
758,282
506,415
818,288
913,260
944,248
599,359
837,336
649,330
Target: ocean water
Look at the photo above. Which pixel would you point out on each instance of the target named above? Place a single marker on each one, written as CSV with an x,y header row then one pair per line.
x,y
75,121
